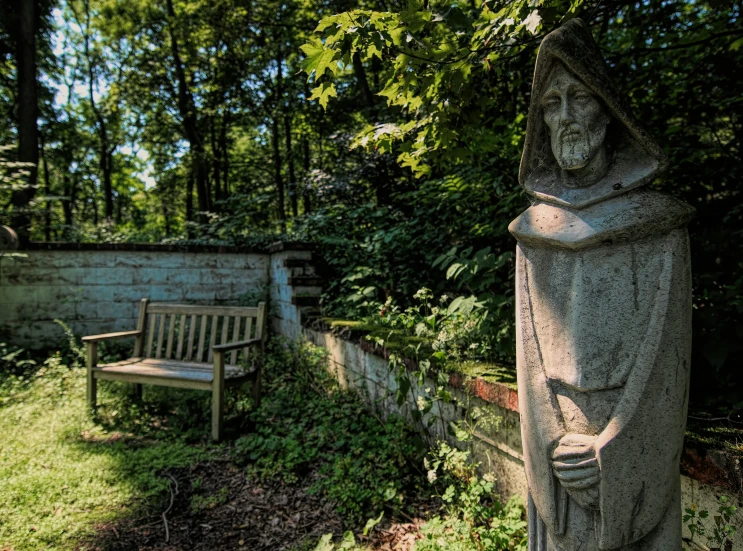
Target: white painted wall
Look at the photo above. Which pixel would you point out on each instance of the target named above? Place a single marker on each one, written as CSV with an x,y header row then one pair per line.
x,y
98,291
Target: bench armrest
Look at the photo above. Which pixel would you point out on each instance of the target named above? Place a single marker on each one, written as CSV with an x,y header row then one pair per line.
x,y
235,345
106,336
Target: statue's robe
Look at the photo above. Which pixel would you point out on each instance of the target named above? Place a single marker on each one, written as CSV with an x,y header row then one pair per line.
x,y
603,321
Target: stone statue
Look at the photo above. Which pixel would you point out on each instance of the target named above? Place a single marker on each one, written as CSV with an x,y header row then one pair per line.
x,y
603,314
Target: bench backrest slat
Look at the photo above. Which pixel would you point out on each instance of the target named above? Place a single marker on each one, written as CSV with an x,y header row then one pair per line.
x,y
191,333
171,334
235,338
166,325
202,336
160,336
181,335
150,337
212,339
167,308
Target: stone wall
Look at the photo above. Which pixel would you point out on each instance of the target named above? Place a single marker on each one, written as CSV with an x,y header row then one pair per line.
x,y
294,285
96,289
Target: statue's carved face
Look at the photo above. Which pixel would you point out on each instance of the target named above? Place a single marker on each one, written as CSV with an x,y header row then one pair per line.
x,y
576,118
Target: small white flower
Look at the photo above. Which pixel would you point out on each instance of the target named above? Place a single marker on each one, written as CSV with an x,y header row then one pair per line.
x,y
421,402
473,345
423,293
431,476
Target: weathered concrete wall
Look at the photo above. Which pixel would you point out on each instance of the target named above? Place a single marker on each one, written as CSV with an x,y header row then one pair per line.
x,y
97,291
498,448
293,285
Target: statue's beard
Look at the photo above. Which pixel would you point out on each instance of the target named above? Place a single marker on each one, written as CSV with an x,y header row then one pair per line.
x,y
575,146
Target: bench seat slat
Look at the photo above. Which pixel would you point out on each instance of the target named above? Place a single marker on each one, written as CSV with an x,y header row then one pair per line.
x,y
151,367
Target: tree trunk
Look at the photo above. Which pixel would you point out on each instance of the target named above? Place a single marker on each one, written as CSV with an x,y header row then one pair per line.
x,y
68,184
105,154
119,208
276,140
306,198
277,170
166,211
47,193
28,146
94,203
290,163
216,163
358,69
223,150
187,110
189,204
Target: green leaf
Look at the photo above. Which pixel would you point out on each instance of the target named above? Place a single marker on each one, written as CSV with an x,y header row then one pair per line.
x,y
372,522
325,543
319,59
349,542
323,93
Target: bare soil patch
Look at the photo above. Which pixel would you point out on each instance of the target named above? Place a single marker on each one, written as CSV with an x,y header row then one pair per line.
x,y
215,506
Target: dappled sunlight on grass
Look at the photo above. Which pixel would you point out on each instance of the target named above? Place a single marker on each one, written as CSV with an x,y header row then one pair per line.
x,y
62,473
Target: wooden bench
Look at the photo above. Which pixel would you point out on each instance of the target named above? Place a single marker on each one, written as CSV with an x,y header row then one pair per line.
x,y
176,346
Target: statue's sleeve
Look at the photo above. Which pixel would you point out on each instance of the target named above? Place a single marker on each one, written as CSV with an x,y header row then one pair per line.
x,y
541,420
639,450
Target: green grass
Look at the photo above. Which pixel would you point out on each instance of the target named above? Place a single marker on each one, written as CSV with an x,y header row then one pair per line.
x,y
62,473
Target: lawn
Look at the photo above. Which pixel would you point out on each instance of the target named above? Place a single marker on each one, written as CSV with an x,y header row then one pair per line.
x,y
62,472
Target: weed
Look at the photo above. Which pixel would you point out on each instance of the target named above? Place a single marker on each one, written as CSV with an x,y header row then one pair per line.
x,y
474,519
719,533
200,503
309,425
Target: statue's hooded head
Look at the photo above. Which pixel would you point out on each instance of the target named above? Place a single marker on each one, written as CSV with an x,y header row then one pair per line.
x,y
583,145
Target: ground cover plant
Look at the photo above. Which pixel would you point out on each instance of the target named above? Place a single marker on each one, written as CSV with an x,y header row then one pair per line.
x,y
311,460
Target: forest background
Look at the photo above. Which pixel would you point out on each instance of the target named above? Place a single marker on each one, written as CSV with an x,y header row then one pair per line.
x,y
388,132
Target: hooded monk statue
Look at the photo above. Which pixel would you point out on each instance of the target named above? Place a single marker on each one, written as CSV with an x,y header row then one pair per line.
x,y
603,314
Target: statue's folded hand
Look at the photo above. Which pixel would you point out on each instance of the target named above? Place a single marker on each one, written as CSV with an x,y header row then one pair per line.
x,y
575,466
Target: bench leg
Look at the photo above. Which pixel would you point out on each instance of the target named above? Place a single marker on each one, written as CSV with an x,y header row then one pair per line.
x,y
257,389
218,396
217,411
137,392
92,361
92,391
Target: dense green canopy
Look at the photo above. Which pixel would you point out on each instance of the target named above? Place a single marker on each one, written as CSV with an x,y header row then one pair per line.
x,y
389,132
